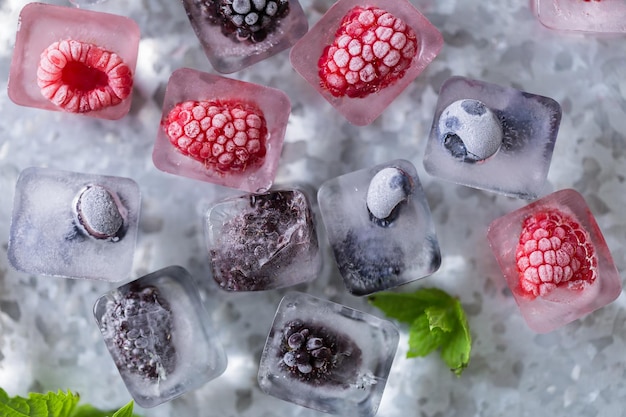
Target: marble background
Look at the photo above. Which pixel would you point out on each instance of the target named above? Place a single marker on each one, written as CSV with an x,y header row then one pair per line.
x,y
48,337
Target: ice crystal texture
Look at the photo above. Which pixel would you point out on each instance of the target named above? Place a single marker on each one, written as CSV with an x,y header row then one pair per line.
x,y
597,16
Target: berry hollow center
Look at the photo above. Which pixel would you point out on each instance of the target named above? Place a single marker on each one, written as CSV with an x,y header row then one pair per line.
x,y
78,76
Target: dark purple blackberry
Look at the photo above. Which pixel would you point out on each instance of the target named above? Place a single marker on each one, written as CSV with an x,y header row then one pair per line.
x,y
139,325
368,263
275,229
317,354
245,20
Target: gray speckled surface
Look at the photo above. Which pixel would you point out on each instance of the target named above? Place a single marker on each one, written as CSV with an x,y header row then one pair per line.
x,y
48,337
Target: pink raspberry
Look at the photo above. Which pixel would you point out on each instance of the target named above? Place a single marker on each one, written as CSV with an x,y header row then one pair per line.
x,y
554,251
81,77
225,135
372,50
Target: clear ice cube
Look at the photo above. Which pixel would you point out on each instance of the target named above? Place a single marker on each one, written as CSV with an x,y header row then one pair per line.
x,y
160,336
73,80
374,251
237,34
386,68
600,16
74,225
262,241
327,356
555,260
492,137
191,143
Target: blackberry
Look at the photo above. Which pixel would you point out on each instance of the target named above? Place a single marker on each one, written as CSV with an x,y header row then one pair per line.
x,y
139,322
315,354
245,20
368,264
257,241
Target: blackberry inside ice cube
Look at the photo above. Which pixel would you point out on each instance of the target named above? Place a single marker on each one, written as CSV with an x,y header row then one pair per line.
x,y
316,354
245,20
140,324
256,242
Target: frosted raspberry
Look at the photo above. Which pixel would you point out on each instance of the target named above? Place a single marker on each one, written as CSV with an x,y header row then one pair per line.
x,y
81,77
372,49
225,135
554,251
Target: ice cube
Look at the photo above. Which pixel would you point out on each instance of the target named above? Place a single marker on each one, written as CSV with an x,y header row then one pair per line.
x,y
361,55
74,225
262,241
74,60
160,336
237,34
327,356
379,226
493,138
601,16
555,260
220,130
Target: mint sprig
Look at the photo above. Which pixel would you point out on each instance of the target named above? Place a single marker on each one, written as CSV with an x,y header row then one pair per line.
x,y
436,321
54,404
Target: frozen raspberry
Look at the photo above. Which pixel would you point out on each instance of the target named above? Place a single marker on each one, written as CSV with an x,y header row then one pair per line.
x,y
140,324
372,49
246,20
316,354
226,135
554,251
81,77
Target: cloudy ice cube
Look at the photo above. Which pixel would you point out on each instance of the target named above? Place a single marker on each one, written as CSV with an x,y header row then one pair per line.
x,y
493,138
78,225
262,241
601,16
160,336
380,227
327,357
555,260
237,34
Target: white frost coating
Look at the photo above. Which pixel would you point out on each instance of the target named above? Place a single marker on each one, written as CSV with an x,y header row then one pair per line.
x,y
475,125
386,190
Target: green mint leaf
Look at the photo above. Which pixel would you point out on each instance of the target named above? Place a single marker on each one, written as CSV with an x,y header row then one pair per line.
x,y
456,352
126,411
422,339
405,307
90,411
52,404
437,321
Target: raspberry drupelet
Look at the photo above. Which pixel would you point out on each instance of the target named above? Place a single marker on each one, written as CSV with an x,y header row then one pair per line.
x,y
81,77
224,135
554,251
372,50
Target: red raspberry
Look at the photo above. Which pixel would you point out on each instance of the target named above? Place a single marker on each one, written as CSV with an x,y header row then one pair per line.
x,y
372,49
226,135
554,251
81,77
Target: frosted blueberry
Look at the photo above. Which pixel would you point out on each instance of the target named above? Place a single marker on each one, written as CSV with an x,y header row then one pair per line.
x,y
470,131
387,189
98,211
